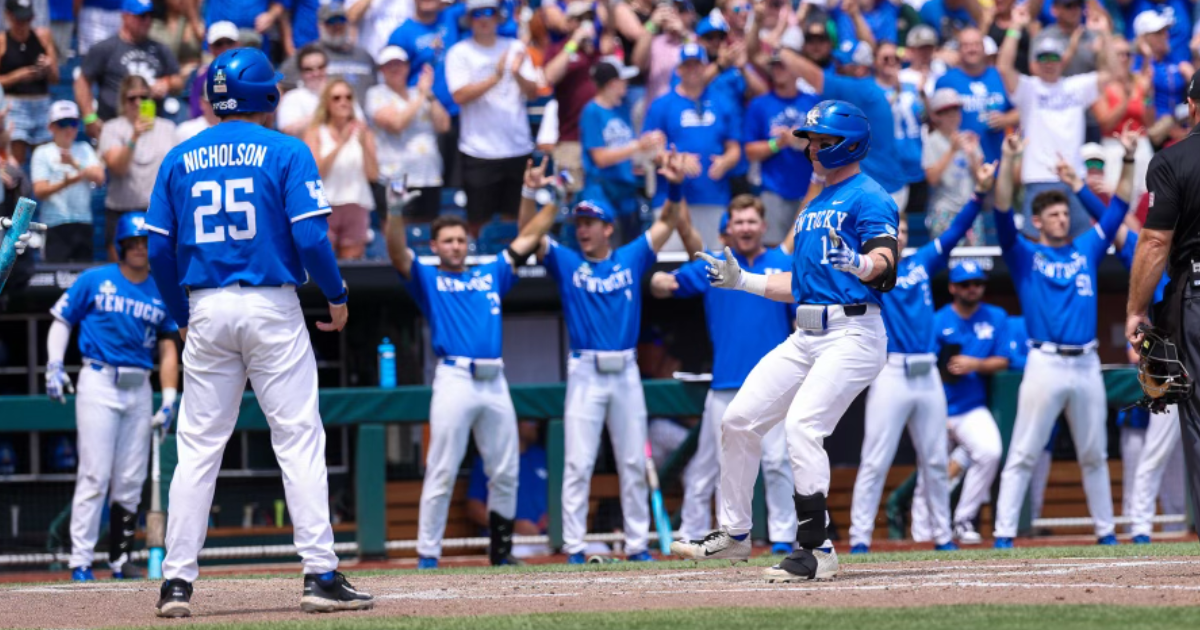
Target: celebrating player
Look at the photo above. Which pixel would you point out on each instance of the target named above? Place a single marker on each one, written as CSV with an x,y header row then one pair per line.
x,y
761,327
1055,280
121,321
909,389
602,302
845,256
470,393
237,218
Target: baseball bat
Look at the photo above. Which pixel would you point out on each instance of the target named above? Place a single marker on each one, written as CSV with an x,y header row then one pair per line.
x,y
156,521
8,247
662,522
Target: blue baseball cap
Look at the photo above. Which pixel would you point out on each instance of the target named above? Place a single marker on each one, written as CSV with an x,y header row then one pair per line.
x,y
854,54
693,51
594,208
137,7
967,271
714,22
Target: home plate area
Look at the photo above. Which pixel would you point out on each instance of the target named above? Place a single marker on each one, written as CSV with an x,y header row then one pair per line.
x,y
1134,581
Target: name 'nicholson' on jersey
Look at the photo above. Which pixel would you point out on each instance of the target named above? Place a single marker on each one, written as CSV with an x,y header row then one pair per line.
x,y
224,155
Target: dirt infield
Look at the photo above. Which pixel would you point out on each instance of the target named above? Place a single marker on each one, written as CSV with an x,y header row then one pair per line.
x,y
1129,581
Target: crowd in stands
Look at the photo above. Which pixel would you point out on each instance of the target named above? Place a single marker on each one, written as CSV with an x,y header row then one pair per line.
x,y
452,98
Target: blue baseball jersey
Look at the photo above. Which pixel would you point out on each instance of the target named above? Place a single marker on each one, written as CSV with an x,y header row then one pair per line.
x,y
463,309
866,94
728,88
983,335
533,477
788,172
981,95
1057,285
742,326
1170,88
859,210
602,299
1018,343
603,128
701,127
427,44
119,321
908,109
229,196
908,308
1125,255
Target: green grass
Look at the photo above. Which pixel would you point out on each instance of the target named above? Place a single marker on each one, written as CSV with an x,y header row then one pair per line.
x,y
1059,617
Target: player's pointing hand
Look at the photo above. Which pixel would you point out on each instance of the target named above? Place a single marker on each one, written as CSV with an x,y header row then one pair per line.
x,y
844,258
338,314
723,274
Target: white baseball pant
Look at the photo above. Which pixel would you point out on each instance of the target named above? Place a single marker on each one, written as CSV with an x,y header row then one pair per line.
x,y
1038,482
977,441
807,382
894,401
234,333
1132,440
595,400
1159,474
113,442
704,470
1051,384
462,406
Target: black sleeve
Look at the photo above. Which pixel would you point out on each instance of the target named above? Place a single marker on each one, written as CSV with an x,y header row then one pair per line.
x,y
93,63
1163,187
169,63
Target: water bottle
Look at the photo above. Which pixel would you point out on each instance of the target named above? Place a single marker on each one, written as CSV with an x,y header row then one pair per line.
x,y
387,364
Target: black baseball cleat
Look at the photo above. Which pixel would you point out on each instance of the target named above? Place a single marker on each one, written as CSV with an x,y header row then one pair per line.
x,y
175,599
330,592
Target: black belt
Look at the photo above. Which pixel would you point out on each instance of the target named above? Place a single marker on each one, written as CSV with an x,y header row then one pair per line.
x,y
1064,351
854,310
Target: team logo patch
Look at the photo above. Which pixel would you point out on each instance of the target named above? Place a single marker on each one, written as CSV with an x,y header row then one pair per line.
x,y
814,115
219,86
891,231
316,190
108,288
139,223
225,105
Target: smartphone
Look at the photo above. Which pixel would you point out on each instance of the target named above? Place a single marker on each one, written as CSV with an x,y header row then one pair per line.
x,y
148,110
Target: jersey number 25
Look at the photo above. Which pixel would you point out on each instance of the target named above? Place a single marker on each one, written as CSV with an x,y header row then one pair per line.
x,y
231,205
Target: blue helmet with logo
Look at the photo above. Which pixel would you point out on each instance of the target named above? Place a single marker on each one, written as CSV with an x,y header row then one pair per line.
x,y
130,225
242,81
841,119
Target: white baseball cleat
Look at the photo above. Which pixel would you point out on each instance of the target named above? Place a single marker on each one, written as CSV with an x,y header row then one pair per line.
x,y
964,533
804,565
718,545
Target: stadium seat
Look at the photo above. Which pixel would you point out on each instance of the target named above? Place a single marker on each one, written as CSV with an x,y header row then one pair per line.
x,y
418,238
496,235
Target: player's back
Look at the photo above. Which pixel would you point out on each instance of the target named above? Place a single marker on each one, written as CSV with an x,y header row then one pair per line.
x,y
229,196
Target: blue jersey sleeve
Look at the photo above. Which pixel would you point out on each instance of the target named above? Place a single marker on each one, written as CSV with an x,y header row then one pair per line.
x,y
304,191
1125,254
160,216
591,127
1012,246
1091,203
505,278
1094,243
692,279
877,216
656,116
73,304
415,284
639,255
311,237
945,243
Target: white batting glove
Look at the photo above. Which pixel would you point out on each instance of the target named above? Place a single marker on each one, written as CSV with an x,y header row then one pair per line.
x,y
844,258
723,274
162,419
58,382
22,240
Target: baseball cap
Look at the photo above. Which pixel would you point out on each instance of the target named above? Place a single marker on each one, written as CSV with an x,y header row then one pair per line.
x,y
854,54
479,5
967,271
392,53
610,68
714,22
945,98
693,51
20,9
63,110
1049,46
594,208
578,8
1092,152
137,7
1148,22
222,30
332,12
921,35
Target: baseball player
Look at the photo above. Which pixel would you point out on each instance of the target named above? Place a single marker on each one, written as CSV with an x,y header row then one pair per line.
x,y
237,219
844,258
470,393
761,327
602,303
971,338
909,389
122,321
1055,279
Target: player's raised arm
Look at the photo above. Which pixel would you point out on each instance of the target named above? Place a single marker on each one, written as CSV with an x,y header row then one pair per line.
x,y
534,224
674,167
397,238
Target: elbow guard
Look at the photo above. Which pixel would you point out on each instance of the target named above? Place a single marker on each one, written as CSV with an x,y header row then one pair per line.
x,y
886,280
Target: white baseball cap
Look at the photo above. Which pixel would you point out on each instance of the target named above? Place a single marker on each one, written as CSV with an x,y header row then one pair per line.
x,y
1148,22
945,98
63,110
222,30
392,53
1093,151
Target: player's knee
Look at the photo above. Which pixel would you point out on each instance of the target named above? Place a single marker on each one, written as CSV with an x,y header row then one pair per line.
x,y
989,454
1092,458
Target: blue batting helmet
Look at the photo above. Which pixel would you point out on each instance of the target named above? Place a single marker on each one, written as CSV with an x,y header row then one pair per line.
x,y
130,225
838,118
242,81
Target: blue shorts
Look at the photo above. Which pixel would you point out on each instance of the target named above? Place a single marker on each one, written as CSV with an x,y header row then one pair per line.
x,y
28,118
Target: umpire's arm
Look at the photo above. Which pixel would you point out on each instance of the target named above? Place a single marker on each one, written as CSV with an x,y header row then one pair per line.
x,y
1154,243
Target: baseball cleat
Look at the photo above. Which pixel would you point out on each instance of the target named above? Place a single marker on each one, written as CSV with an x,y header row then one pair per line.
x,y
426,562
82,574
330,592
804,565
946,546
174,599
1141,539
640,557
858,548
782,549
1108,541
576,558
127,572
718,545
965,532
1003,542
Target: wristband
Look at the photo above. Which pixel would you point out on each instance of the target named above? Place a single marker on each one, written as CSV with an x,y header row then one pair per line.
x,y
755,283
865,267
1128,160
131,143
571,46
1013,32
774,144
91,118
651,27
674,192
169,395
528,193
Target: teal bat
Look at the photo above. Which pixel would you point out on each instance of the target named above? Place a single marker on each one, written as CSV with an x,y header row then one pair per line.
x,y
8,247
